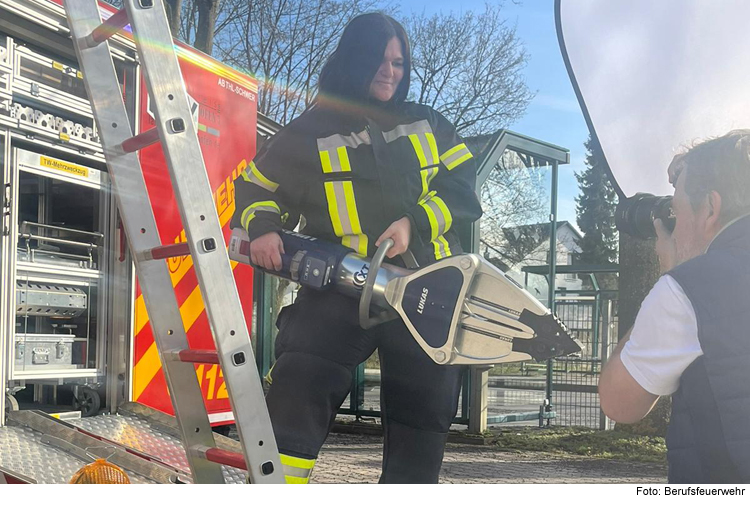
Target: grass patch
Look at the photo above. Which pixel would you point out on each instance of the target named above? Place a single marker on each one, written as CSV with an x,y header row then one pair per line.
x,y
607,444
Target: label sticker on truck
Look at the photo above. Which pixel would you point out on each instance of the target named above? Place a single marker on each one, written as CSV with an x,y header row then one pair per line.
x,y
59,165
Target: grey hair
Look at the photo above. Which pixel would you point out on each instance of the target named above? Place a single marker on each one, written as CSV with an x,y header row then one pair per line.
x,y
721,164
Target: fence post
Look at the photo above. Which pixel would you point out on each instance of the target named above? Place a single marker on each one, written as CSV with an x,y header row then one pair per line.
x,y
595,319
552,285
478,406
606,331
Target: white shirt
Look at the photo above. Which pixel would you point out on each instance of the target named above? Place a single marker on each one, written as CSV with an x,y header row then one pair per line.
x,y
664,339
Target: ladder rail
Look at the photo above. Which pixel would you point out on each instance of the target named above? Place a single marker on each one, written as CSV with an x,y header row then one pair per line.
x,y
203,231
132,196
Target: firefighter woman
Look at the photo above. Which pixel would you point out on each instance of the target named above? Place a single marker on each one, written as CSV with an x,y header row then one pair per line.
x,y
361,165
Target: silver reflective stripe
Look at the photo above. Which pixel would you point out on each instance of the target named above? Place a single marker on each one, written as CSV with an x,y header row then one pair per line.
x,y
429,148
296,469
437,216
333,153
455,156
404,130
296,472
334,142
346,226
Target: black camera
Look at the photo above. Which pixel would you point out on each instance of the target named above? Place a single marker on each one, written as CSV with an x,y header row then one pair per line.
x,y
635,215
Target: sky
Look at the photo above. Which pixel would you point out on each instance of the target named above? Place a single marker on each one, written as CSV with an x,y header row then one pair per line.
x,y
553,115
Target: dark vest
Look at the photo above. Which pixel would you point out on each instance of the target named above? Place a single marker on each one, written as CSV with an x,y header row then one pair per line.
x,y
709,433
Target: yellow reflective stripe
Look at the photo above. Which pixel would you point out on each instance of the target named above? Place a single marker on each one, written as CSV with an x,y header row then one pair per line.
x,y
333,209
351,206
297,462
325,161
433,221
339,164
296,480
445,243
445,211
433,146
437,213
248,213
269,378
356,242
458,162
427,176
455,156
259,180
442,249
296,469
451,151
342,208
418,149
344,159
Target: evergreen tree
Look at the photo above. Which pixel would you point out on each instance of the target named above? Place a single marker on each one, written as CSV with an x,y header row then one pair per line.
x,y
595,209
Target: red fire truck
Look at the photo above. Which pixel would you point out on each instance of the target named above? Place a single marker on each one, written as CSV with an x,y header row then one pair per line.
x,y
74,326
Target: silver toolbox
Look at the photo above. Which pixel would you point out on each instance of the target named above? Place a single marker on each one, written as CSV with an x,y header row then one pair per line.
x,y
48,350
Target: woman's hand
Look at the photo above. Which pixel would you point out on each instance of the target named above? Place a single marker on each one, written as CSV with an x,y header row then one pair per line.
x,y
266,251
400,232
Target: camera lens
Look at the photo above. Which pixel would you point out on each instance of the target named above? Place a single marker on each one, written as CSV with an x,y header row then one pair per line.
x,y
635,215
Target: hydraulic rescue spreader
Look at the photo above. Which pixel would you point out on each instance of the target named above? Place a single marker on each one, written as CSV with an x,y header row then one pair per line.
x,y
461,310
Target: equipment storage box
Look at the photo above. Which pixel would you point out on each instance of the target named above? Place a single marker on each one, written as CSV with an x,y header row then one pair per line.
x,y
49,350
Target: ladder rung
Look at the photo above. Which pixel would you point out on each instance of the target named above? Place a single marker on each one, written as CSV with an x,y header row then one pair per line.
x,y
194,356
164,252
108,28
219,456
141,141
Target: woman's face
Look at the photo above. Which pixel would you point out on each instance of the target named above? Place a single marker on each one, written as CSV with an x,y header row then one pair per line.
x,y
390,72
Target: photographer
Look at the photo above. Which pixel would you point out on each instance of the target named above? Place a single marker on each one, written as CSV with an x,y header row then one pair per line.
x,y
691,338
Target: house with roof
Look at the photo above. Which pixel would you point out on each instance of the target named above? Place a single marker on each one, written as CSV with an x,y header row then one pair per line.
x,y
529,245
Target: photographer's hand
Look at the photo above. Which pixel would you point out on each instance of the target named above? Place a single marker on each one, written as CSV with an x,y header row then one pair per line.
x,y
665,247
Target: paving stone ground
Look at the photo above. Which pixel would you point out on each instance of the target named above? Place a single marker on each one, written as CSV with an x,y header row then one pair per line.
x,y
355,458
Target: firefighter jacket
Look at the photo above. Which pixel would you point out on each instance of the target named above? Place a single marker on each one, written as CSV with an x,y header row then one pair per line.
x,y
352,171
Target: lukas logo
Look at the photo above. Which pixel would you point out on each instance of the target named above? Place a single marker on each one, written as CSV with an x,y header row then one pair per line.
x,y
422,301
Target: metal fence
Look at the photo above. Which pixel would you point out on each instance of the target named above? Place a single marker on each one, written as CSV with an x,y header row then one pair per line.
x,y
572,389
593,321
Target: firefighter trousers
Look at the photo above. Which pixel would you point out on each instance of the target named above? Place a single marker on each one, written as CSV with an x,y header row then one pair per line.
x,y
319,345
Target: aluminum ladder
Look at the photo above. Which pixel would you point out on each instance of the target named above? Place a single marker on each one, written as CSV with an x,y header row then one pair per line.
x,y
205,242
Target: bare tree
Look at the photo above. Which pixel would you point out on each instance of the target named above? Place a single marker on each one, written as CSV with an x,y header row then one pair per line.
x,y
469,67
196,22
174,11
285,43
512,197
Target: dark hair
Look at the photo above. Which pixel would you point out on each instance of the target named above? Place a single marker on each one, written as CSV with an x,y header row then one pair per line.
x,y
350,69
721,164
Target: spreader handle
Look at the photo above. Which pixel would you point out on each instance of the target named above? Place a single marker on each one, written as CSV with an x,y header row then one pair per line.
x,y
365,320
